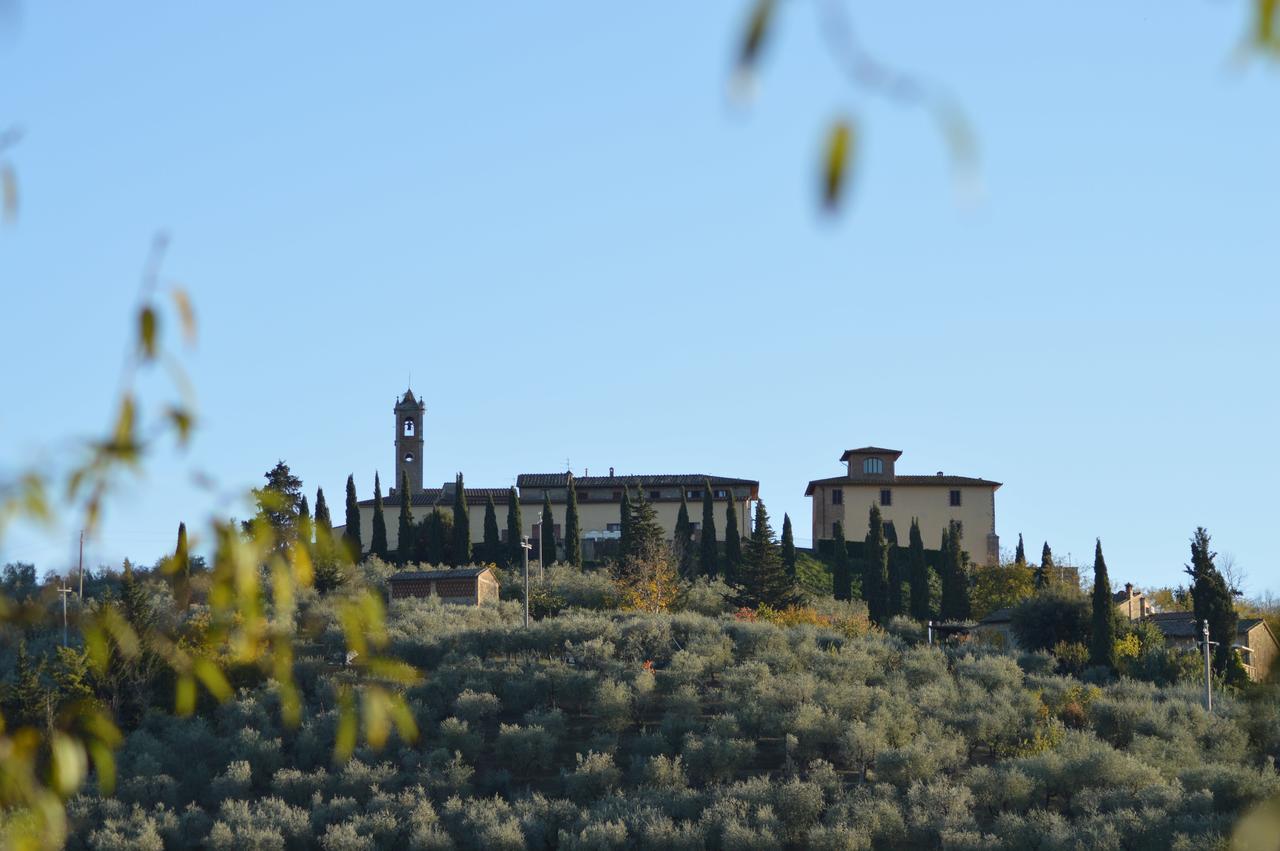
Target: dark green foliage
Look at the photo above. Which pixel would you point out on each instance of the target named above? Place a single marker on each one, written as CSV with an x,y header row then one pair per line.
x,y
645,539
324,523
788,547
378,543
682,542
404,530
762,578
1059,613
897,603
572,529
351,534
436,535
875,570
181,570
1044,573
918,574
955,576
1020,554
732,542
709,551
279,505
326,558
547,547
461,551
1102,641
304,521
493,549
1212,601
515,530
841,569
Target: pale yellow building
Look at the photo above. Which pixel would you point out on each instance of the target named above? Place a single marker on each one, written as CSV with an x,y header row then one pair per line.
x,y
871,478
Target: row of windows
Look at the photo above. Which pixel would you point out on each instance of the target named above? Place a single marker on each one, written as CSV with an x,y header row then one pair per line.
x,y
886,496
585,496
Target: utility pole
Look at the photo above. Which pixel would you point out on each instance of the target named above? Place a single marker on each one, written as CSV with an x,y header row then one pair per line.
x,y
1208,671
81,568
930,628
525,546
64,591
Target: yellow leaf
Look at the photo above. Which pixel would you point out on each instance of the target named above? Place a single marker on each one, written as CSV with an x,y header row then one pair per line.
x,y
104,763
377,724
68,764
345,739
123,434
840,153
757,29
147,331
213,678
184,702
182,422
185,313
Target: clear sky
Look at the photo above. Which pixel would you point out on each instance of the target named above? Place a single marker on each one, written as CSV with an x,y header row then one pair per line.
x,y
556,220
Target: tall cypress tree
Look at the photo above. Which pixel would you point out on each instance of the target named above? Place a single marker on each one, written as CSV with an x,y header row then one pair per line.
x,y
182,570
732,541
710,548
1102,643
515,530
1212,601
327,558
683,540
624,523
572,529
1044,573
351,534
461,555
493,549
762,578
378,543
875,574
1020,554
841,572
404,532
788,547
918,573
324,524
897,605
955,581
436,537
304,521
547,551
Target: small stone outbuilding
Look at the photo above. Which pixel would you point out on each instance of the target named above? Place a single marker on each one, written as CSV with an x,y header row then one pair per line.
x,y
466,586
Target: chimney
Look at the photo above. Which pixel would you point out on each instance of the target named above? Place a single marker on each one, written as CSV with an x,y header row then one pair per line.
x,y
1128,589
939,472
610,472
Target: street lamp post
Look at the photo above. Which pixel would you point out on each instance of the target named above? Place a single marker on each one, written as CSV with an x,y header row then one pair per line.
x,y
1208,671
64,591
525,546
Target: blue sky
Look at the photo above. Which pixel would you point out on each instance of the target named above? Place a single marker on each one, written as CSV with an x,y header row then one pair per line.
x,y
554,218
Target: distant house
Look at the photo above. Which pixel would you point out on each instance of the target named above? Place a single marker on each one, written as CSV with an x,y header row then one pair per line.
x,y
997,629
1132,603
1258,647
467,586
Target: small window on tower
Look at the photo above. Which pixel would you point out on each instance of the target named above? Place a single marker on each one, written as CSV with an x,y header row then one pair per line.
x,y
408,457
872,466
408,428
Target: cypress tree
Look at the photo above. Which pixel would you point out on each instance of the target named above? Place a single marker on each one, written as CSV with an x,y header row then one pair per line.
x,y
645,535
328,574
436,537
841,572
378,543
324,524
955,582
461,555
493,550
182,570
624,523
1020,555
683,540
875,575
1044,573
547,551
1212,601
304,521
732,541
515,530
1102,643
572,531
710,550
918,574
404,532
763,579
788,547
351,534
897,605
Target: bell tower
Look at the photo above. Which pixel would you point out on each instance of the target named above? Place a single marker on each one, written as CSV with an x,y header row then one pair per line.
x,y
409,441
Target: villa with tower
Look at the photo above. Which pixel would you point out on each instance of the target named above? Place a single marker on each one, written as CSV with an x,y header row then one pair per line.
x,y
599,497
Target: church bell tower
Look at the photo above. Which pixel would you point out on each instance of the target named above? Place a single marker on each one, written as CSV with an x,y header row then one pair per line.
x,y
409,441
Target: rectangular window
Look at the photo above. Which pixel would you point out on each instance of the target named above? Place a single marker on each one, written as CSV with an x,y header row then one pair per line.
x,y
693,527
617,495
655,494
837,496
693,494
886,496
613,527
583,496
955,498
721,494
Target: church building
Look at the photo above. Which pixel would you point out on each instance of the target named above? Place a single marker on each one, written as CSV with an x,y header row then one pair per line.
x,y
599,497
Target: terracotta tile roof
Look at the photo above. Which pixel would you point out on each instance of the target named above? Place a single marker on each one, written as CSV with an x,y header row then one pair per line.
x,y
1184,624
452,573
559,480
901,481
435,496
871,450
